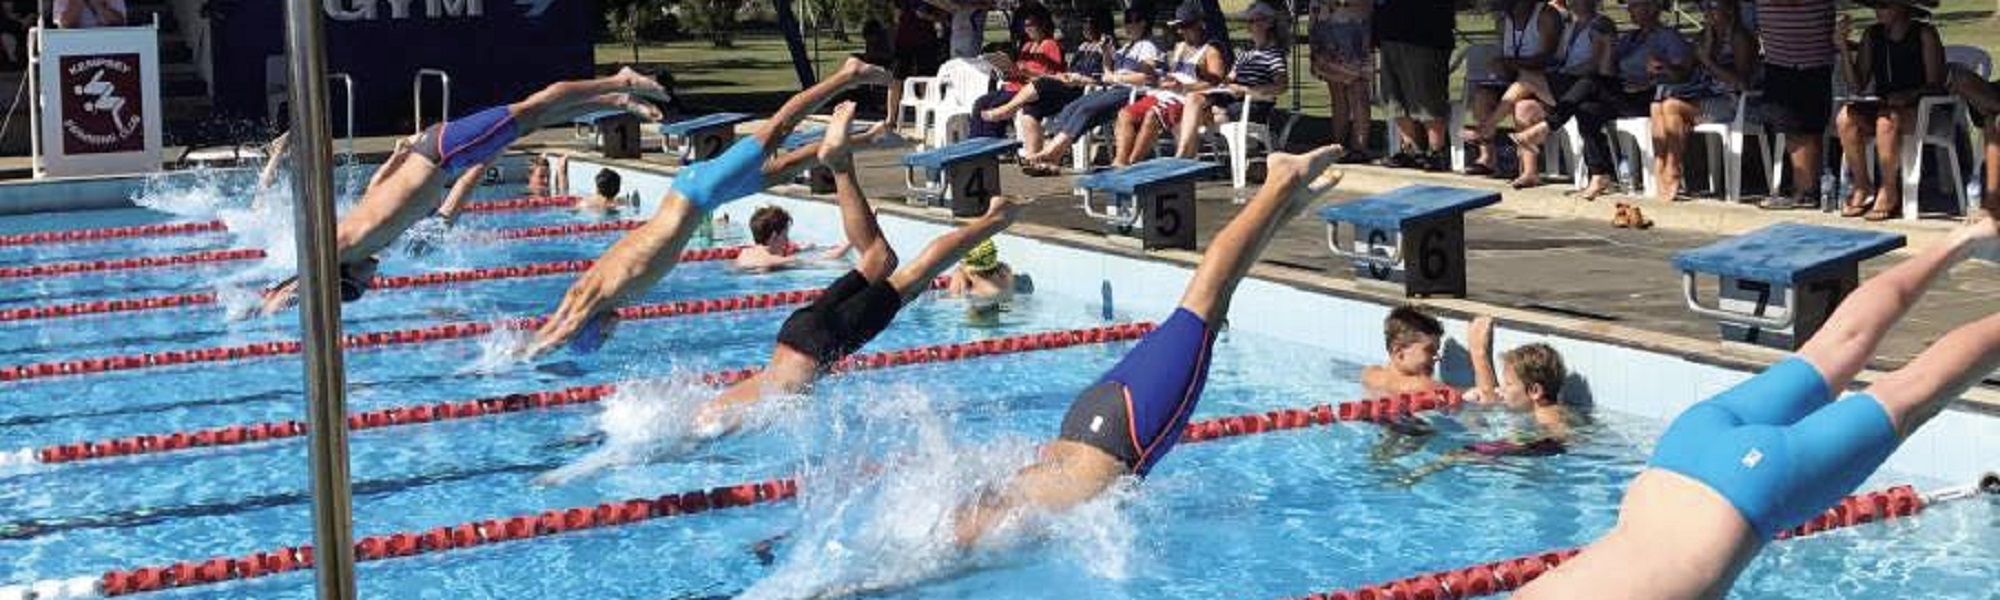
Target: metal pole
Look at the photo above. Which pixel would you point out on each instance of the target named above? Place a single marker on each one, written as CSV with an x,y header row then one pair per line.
x,y
788,24
319,305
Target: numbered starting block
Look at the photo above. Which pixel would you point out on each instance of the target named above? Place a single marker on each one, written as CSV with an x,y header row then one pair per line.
x,y
960,177
1778,284
819,179
1152,201
1412,237
703,137
613,133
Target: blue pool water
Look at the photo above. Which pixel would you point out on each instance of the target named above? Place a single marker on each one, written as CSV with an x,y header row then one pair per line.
x,y
882,453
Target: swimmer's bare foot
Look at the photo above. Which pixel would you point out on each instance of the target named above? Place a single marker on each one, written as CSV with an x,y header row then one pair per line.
x,y
1007,208
1979,237
1312,172
863,73
632,104
640,84
873,135
833,149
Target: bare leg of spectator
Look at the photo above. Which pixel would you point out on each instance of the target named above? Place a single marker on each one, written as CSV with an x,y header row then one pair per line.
x,y
1530,114
1124,136
1861,174
1028,129
1673,122
1195,115
1357,114
1992,200
1479,132
1890,126
1802,152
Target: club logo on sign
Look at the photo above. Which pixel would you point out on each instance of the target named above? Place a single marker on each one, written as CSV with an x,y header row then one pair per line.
x,y
102,104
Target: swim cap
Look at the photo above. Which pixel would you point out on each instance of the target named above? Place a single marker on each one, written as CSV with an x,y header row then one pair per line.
x,y
983,257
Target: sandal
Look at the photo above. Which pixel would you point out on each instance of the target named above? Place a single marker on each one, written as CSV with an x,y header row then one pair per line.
x,y
1623,218
1639,220
1520,184
1853,209
1881,212
1478,170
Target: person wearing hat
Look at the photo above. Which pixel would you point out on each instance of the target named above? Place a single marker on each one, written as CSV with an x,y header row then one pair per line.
x,y
1258,77
1898,61
1133,66
983,280
1194,66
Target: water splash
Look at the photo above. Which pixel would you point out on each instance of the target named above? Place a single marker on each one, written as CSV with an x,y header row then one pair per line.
x,y
654,421
879,524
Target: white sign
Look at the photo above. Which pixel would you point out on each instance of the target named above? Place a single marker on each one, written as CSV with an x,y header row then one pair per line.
x,y
97,101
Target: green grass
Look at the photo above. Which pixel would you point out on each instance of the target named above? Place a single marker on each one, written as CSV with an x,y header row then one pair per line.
x,y
757,73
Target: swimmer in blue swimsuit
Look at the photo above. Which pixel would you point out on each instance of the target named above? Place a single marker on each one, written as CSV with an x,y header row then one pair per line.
x,y
1130,419
849,313
646,254
407,188
1779,448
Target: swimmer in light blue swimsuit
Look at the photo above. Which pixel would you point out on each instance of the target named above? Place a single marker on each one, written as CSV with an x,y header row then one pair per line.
x,y
408,187
1780,448
646,254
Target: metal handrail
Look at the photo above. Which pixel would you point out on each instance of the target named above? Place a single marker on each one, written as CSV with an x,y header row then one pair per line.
x,y
1123,214
417,93
1782,321
347,85
1394,260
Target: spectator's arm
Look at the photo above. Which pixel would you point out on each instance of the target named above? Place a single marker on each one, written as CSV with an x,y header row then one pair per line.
x,y
1212,73
1853,69
113,11
1934,64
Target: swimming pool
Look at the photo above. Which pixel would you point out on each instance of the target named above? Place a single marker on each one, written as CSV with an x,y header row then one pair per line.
x,y
881,453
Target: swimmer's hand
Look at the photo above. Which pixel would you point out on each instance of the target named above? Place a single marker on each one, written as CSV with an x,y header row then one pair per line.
x,y
590,297
277,299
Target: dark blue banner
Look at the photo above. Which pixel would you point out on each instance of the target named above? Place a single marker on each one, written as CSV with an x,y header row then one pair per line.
x,y
496,51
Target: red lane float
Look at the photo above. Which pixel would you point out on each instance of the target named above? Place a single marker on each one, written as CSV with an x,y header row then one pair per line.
x,y
1376,410
37,238
233,435
236,254
446,538
111,233
380,283
1510,574
435,333
124,264
518,204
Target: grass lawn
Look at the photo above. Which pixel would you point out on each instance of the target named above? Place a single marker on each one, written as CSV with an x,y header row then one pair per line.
x,y
757,75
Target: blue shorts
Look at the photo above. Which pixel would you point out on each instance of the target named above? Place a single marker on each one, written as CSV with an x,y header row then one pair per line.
x,y
461,144
1137,411
1778,447
737,173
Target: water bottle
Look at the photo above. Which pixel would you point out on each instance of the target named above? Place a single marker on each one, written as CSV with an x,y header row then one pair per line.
x,y
1828,188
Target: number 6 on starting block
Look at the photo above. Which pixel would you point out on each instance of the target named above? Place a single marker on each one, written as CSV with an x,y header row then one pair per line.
x,y
1413,236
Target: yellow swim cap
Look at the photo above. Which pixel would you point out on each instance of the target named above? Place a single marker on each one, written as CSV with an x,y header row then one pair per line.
x,y
983,257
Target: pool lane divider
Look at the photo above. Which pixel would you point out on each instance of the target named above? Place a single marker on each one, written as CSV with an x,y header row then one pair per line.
x,y
240,434
172,301
1896,502
156,230
56,269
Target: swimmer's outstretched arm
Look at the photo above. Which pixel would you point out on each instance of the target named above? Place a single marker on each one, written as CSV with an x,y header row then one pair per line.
x,y
454,201
277,150
629,268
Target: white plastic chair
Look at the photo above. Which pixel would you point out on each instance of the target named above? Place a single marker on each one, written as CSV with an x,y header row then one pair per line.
x,y
1725,145
1478,60
1639,153
1944,133
948,101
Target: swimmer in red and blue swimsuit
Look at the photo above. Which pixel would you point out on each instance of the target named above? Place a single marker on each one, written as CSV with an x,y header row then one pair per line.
x,y
408,187
1780,448
1130,419
646,254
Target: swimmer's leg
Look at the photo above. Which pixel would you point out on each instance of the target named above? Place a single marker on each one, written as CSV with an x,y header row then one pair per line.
x,y
1942,372
781,169
564,100
1844,344
1295,182
854,73
915,278
857,219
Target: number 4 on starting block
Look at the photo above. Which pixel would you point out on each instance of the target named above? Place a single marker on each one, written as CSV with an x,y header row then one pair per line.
x,y
1413,236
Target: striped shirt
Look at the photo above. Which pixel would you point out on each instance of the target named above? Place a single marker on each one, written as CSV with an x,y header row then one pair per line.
x,y
1797,34
1259,67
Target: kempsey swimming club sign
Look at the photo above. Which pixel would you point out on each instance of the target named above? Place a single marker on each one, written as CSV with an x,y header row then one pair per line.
x,y
103,106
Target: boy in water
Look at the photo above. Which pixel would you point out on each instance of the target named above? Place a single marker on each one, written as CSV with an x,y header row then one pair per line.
x,y
772,248
605,200
1414,340
637,261
983,280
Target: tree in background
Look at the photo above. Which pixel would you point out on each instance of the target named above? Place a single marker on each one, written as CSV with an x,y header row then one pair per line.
x,y
629,23
715,18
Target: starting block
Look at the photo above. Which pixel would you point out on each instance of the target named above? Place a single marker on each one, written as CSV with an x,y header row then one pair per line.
x,y
1413,237
1152,200
960,177
613,133
1780,283
703,137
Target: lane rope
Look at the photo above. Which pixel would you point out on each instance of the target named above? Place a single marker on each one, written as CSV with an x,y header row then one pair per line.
x,y
154,230
171,301
1488,578
240,434
241,254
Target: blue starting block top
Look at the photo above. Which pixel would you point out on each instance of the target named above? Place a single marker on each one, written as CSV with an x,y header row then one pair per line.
x,y
1407,204
685,127
960,152
592,117
1129,179
1787,252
